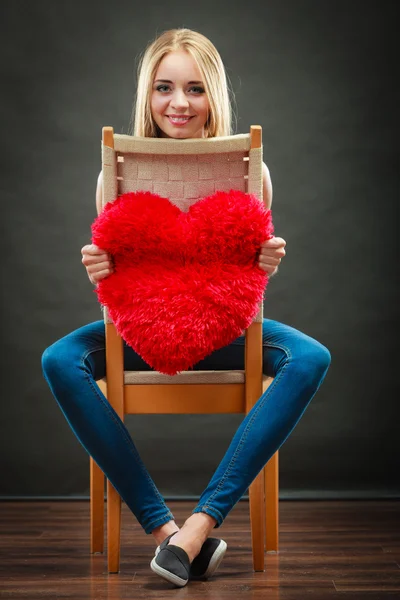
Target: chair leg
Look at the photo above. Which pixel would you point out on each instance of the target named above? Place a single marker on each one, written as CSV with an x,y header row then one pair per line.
x,y
96,508
113,528
272,504
257,519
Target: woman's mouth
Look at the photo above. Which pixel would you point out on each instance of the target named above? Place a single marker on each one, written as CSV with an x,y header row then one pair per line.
x,y
179,121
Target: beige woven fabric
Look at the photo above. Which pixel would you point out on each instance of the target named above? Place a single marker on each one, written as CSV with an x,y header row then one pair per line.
x,y
255,177
110,181
183,179
184,171
134,145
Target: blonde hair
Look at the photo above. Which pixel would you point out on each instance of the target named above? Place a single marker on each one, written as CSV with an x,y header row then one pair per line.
x,y
211,68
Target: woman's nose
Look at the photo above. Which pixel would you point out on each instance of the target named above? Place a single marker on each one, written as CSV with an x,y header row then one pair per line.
x,y
179,100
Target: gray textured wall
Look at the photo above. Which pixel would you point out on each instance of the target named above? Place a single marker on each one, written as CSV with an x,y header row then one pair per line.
x,y
318,76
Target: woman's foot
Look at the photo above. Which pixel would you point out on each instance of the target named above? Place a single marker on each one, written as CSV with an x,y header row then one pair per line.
x,y
163,531
207,561
174,557
193,534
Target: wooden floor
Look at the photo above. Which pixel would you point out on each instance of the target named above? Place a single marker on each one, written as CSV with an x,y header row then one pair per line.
x,y
329,550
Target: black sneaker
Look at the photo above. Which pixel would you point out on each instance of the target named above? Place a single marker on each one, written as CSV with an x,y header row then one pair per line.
x,y
209,558
206,562
172,563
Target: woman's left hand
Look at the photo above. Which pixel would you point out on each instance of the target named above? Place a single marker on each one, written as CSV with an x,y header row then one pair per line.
x,y
271,254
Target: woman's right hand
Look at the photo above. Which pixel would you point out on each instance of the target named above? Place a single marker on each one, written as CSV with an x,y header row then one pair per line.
x,y
98,263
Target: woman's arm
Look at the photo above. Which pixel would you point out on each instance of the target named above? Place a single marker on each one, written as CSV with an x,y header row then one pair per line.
x,y
267,187
99,193
273,250
97,262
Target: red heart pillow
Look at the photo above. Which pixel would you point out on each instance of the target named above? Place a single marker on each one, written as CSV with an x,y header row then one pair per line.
x,y
185,283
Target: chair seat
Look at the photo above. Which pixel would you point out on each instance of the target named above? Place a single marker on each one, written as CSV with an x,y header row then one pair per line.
x,y
187,377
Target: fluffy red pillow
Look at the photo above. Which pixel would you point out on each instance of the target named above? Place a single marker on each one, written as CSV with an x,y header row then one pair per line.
x,y
185,284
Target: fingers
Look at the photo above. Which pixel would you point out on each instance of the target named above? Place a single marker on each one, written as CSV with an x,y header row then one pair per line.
x,y
92,255
268,268
271,263
272,253
274,242
270,257
102,266
99,275
100,270
91,249
98,263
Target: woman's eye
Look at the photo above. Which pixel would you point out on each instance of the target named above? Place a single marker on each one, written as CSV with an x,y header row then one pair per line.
x,y
195,89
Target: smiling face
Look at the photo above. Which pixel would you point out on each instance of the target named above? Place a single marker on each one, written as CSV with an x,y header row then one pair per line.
x,y
179,104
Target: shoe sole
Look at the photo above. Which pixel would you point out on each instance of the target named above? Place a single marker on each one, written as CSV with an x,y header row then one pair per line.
x,y
215,561
167,574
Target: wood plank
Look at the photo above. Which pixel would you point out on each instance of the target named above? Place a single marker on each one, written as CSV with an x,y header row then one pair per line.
x,y
328,551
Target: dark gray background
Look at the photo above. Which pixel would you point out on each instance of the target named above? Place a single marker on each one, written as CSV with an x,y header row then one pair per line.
x,y
320,78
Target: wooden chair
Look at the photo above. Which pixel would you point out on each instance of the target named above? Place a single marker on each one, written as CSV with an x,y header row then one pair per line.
x,y
197,168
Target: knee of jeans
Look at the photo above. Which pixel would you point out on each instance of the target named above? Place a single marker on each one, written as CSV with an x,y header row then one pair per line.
x,y
52,360
313,361
322,358
48,361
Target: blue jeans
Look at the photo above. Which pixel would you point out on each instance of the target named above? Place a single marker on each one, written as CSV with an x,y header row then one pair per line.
x,y
73,364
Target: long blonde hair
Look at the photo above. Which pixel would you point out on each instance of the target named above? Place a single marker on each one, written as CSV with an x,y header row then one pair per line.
x,y
211,68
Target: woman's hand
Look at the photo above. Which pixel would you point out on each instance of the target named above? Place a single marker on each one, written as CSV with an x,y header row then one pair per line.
x,y
98,263
271,254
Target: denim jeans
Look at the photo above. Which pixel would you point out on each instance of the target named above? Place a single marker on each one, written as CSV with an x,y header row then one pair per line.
x,y
72,365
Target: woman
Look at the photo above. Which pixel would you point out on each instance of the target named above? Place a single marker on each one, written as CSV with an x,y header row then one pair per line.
x,y
182,93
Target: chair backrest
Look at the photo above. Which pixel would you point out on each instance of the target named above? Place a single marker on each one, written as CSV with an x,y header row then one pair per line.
x,y
184,171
